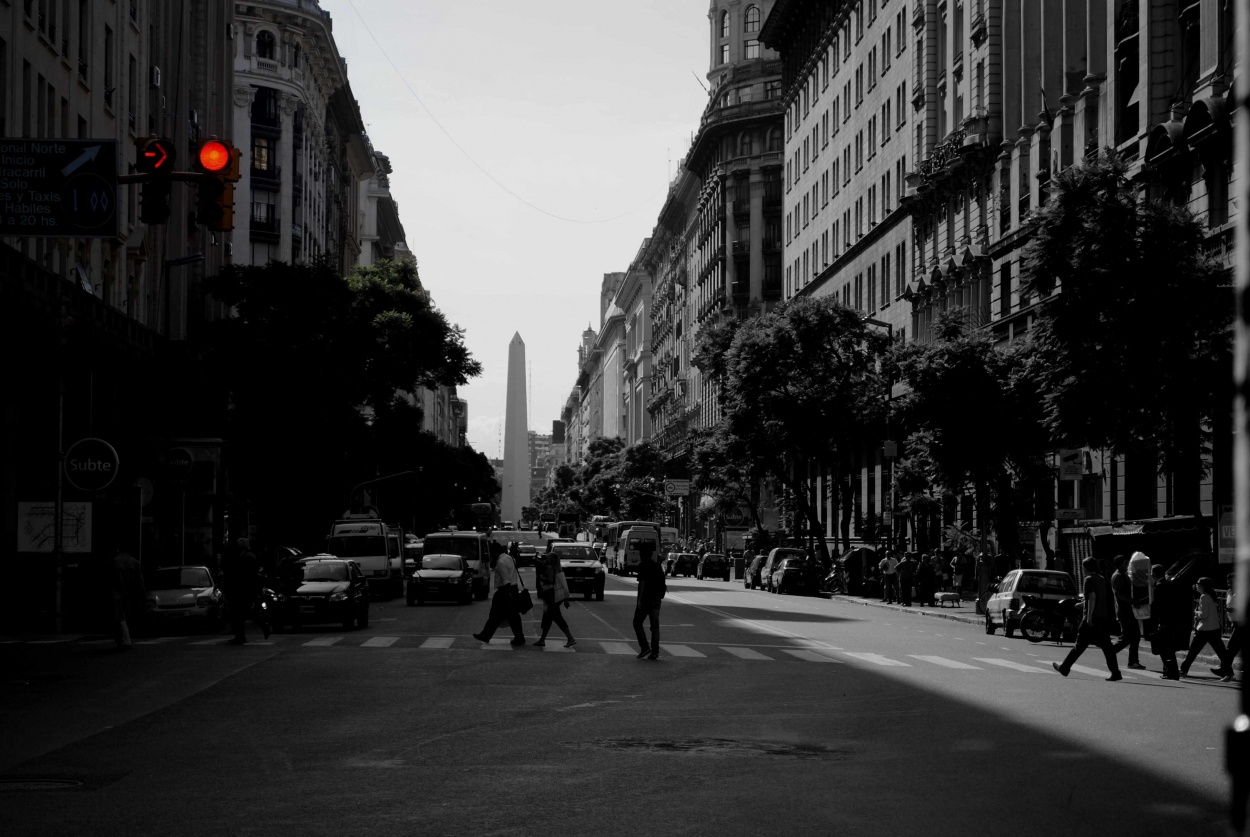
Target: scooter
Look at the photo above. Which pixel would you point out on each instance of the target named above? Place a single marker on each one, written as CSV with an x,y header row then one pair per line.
x,y
835,582
1044,618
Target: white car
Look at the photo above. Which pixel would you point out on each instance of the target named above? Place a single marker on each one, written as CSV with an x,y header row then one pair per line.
x,y
1006,605
184,594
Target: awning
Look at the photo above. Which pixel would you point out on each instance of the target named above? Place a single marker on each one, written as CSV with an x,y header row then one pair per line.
x,y
1122,529
1152,526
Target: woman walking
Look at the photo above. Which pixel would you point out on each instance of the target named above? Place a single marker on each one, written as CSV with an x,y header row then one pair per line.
x,y
553,589
1206,628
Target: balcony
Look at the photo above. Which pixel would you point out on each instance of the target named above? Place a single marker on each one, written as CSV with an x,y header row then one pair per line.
x,y
269,179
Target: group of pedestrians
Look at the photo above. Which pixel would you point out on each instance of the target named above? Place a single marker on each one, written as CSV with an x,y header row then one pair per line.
x,y
1180,619
917,576
509,602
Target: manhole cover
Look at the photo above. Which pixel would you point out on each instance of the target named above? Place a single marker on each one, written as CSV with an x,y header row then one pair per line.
x,y
713,747
38,784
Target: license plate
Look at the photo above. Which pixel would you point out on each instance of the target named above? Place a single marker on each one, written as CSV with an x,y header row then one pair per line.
x,y
307,609
174,613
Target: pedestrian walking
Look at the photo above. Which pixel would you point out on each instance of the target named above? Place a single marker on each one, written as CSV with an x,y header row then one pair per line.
x,y
503,604
1234,639
241,581
889,578
1207,629
1130,631
906,576
926,581
553,590
1095,624
651,590
1170,617
128,597
958,565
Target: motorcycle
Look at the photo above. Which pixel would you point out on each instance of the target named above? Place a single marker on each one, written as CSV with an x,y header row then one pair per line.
x,y
1044,618
835,582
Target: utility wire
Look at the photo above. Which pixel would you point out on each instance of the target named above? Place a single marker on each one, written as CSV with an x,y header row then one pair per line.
x,y
469,156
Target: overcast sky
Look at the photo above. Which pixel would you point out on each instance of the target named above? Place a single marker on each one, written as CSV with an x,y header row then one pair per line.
x,y
582,108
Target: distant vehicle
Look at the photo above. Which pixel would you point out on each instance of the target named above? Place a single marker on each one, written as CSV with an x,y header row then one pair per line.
x,y
184,594
322,588
713,565
774,558
1006,605
474,547
441,577
506,526
583,570
365,539
414,547
622,558
527,552
684,563
478,517
790,575
568,524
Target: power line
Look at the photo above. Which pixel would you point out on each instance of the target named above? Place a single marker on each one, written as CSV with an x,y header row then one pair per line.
x,y
469,156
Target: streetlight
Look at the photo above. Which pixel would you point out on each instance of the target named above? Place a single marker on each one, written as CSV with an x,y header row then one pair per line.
x,y
889,446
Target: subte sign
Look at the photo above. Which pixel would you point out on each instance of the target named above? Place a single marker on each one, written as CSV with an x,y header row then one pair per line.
x,y
91,464
58,187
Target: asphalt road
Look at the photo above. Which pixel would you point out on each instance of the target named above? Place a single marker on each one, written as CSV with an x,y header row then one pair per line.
x,y
765,715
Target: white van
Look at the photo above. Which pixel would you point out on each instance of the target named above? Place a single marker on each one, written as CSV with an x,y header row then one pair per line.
x,y
364,539
638,534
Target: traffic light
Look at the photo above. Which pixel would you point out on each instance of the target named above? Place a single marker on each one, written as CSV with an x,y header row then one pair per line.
x,y
218,163
154,159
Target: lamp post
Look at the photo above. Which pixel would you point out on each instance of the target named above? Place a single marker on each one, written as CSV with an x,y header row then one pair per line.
x,y
889,447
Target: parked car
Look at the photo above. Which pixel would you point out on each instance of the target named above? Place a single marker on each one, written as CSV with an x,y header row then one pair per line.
x,y
751,578
322,588
775,557
184,594
791,575
1006,605
684,563
713,565
583,569
440,577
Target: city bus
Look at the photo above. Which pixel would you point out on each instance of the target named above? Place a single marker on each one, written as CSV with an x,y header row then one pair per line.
x,y
620,560
478,517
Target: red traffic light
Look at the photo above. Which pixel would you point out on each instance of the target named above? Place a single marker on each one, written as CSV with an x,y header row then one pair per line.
x,y
215,157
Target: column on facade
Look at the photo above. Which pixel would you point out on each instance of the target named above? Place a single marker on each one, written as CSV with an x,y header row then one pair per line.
x,y
243,97
286,189
756,190
1162,70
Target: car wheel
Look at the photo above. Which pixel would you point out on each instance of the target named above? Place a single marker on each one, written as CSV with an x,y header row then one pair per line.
x,y
989,624
363,621
349,623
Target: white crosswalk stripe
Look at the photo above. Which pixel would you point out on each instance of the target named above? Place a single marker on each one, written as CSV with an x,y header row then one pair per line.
x,y
618,648
745,653
557,648
876,659
322,641
942,661
379,642
438,642
1011,664
810,656
681,651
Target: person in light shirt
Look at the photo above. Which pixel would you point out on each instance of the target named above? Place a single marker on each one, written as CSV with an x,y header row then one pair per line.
x,y
507,584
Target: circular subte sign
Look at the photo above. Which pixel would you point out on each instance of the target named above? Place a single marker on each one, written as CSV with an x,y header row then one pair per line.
x,y
91,464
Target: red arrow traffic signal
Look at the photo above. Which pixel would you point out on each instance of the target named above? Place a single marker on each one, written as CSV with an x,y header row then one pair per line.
x,y
156,155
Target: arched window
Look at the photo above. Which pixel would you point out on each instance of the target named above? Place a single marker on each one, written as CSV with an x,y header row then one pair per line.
x,y
751,21
774,139
724,24
264,44
295,56
745,147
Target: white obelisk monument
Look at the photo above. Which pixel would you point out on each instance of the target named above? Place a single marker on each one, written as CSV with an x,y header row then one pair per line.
x,y
516,464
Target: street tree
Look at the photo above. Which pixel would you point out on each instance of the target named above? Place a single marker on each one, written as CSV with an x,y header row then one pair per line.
x,y
1134,351
801,386
975,415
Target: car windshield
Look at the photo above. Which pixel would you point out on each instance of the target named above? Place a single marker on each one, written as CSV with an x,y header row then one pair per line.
x,y
179,578
576,553
789,553
713,557
440,562
1047,583
325,571
356,546
464,547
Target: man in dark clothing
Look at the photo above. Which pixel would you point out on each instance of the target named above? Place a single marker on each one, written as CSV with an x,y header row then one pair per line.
x,y
1130,631
651,590
128,596
241,581
906,575
1095,623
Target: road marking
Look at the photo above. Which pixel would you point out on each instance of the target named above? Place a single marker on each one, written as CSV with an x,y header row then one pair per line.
x,y
322,641
682,651
502,646
556,648
217,641
1010,664
97,642
380,642
618,648
942,661
810,656
875,659
438,642
745,653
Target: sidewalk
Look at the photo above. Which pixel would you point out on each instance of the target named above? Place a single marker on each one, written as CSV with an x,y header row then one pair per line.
x,y
967,613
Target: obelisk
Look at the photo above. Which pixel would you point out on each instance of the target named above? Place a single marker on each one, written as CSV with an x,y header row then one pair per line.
x,y
516,465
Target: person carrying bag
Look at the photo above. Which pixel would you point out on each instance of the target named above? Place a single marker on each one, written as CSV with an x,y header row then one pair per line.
x,y
506,603
553,589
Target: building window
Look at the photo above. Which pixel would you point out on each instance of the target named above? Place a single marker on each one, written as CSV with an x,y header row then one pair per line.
x,y
724,24
262,154
751,49
724,53
745,145
751,21
264,44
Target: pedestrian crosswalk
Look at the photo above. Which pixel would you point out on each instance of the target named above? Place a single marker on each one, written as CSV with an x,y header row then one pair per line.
x,y
800,650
